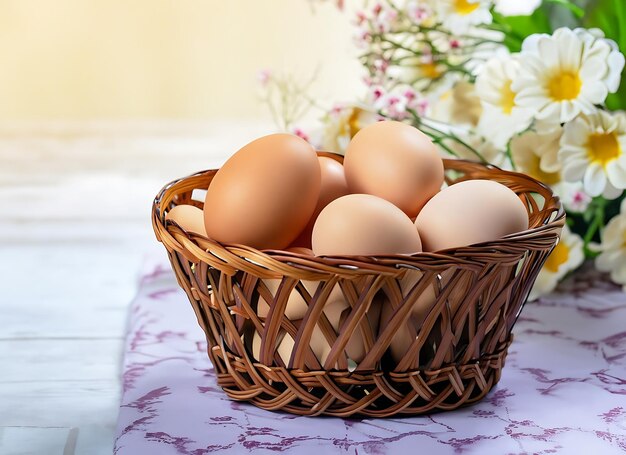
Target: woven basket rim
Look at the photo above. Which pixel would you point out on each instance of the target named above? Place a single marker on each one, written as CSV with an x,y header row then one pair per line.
x,y
271,263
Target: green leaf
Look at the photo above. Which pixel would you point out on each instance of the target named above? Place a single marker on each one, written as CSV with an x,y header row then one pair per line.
x,y
576,10
517,28
610,17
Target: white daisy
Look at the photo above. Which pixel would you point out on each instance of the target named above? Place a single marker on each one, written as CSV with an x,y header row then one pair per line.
x,y
342,124
493,87
612,256
458,106
593,150
566,73
459,15
535,153
567,256
531,149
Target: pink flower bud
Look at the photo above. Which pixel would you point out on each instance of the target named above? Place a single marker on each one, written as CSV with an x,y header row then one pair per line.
x,y
410,94
337,109
300,133
422,107
417,12
392,100
263,77
381,65
377,92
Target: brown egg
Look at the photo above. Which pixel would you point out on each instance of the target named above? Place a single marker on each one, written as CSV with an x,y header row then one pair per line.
x,y
396,162
265,194
296,306
188,217
336,311
403,338
285,344
469,212
362,224
333,186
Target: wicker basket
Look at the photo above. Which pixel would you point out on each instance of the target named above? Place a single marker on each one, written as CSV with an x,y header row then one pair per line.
x,y
456,350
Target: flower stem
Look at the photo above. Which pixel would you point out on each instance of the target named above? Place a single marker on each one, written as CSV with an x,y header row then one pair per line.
x,y
597,223
439,136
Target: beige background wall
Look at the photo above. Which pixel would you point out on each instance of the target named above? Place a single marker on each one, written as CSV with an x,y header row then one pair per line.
x,y
118,59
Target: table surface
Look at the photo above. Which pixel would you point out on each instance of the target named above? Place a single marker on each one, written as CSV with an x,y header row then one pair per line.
x,y
562,389
74,227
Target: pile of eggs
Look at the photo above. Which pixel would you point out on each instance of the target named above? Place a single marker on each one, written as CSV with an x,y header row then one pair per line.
x,y
387,198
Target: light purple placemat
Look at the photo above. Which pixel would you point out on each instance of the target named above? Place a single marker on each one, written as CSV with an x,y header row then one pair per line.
x,y
563,389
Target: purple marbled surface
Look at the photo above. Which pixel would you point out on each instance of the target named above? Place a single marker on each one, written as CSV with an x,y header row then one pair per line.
x,y
563,389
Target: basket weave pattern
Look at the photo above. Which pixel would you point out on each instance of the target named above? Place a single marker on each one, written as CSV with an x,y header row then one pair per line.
x,y
454,356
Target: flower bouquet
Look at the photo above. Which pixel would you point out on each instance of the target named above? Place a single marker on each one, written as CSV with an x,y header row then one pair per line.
x,y
538,91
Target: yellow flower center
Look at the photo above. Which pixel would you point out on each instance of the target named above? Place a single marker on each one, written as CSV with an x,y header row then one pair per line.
x,y
603,148
564,86
558,257
353,122
464,7
430,70
531,165
507,98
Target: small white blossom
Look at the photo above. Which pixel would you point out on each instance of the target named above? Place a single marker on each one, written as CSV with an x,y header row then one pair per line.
x,y
572,196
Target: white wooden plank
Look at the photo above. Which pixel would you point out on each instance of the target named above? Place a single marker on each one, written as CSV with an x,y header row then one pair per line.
x,y
59,360
64,403
33,440
91,406
67,290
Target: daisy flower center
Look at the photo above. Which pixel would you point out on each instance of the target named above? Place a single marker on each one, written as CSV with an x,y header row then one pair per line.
x,y
531,165
351,125
353,122
507,98
430,70
464,7
603,148
549,178
558,257
564,86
